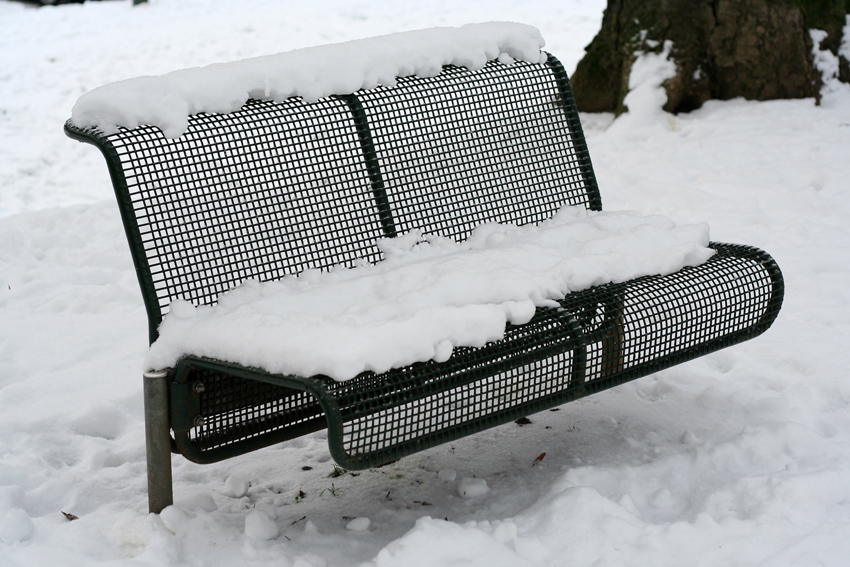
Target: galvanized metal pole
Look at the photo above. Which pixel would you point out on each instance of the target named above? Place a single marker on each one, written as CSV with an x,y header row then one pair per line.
x,y
158,441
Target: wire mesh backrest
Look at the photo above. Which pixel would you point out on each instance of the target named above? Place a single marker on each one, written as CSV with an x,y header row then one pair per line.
x,y
269,190
502,144
276,188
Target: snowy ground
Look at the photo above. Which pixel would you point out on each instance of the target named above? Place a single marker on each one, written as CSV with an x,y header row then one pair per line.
x,y
738,458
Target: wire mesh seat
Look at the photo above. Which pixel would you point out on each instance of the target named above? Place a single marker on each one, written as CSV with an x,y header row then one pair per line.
x,y
276,188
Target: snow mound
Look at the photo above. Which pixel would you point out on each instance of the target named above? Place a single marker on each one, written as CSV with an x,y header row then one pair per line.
x,y
259,525
16,526
429,295
472,487
358,524
236,487
168,100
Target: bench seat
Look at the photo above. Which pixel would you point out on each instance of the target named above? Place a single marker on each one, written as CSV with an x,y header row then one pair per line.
x,y
601,337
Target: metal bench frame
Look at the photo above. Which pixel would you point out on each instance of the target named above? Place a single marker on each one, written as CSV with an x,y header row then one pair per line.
x,y
279,187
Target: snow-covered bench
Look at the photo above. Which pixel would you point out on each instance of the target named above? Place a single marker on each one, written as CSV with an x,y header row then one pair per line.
x,y
270,168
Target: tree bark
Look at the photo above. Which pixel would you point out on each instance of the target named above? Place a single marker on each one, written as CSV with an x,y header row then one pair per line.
x,y
756,49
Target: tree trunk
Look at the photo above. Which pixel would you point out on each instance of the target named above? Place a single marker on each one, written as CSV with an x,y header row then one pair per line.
x,y
756,49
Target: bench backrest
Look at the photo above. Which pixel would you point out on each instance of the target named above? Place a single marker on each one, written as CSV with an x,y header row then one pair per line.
x,y
279,187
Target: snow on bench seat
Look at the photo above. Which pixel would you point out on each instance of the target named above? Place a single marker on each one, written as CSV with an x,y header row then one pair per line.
x,y
428,296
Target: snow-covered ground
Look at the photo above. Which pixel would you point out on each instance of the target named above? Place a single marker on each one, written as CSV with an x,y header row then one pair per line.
x,y
739,458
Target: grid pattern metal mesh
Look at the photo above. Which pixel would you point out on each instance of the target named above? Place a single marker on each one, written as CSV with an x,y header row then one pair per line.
x,y
427,404
627,331
470,147
600,338
642,326
385,415
276,188
269,190
236,409
446,414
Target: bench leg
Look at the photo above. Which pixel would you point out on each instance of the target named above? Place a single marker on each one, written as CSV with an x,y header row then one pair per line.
x,y
157,441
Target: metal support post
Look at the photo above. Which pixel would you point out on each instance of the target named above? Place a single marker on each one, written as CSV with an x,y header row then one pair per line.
x,y
158,441
612,345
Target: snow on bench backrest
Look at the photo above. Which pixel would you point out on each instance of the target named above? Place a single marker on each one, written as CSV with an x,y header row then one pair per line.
x,y
312,73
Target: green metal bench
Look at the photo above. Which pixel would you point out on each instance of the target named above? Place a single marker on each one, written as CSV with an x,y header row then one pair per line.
x,y
279,187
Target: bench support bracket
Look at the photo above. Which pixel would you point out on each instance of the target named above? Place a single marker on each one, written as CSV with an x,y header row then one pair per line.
x,y
612,345
158,441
